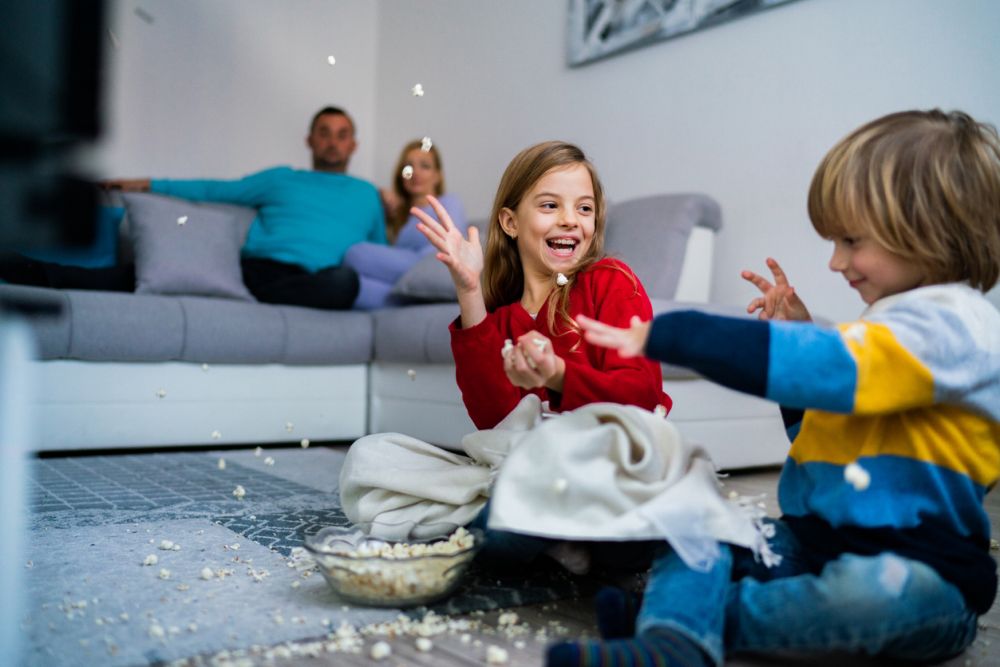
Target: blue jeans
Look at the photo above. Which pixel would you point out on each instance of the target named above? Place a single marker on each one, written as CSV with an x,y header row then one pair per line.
x,y
881,605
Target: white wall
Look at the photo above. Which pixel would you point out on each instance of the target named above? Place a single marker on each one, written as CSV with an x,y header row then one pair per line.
x,y
742,111
221,88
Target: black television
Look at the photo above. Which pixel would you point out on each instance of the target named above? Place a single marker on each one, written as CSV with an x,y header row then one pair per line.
x,y
50,104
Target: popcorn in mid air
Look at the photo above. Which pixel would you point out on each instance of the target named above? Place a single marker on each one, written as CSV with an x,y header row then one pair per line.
x,y
426,144
857,476
561,279
330,60
407,172
239,492
182,220
417,90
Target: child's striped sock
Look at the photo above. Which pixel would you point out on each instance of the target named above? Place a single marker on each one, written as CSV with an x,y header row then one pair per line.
x,y
666,649
616,611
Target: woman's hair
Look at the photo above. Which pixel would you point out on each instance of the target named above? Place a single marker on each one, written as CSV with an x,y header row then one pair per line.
x,y
503,276
925,185
398,217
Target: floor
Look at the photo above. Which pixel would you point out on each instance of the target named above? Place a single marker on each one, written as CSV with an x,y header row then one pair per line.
x,y
181,496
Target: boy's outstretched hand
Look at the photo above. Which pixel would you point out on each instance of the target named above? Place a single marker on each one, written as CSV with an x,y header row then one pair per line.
x,y
463,257
779,301
629,342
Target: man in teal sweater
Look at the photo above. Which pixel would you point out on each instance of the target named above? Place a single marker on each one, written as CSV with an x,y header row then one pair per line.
x,y
306,221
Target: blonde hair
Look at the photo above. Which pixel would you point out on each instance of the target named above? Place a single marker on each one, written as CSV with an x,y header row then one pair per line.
x,y
398,217
503,275
925,185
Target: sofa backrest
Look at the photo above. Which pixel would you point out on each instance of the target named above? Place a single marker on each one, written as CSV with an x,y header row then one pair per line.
x,y
668,241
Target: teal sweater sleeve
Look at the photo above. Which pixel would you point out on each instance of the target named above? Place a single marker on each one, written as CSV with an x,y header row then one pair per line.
x,y
308,218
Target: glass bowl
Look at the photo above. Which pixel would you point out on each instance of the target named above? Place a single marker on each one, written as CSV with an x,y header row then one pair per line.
x,y
374,572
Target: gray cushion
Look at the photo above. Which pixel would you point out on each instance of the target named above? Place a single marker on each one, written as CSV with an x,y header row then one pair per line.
x,y
415,334
429,279
120,326
650,234
199,257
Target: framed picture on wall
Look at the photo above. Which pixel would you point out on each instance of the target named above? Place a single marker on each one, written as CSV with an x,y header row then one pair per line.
x,y
600,28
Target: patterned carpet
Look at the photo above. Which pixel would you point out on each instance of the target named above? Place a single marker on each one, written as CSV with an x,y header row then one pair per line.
x,y
95,520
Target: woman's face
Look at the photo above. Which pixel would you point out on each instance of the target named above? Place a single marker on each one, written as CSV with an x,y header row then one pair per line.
x,y
426,175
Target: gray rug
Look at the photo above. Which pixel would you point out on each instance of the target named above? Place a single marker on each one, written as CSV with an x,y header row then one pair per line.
x,y
95,520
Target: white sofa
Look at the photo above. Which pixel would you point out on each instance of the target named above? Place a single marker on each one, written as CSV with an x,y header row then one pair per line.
x,y
120,370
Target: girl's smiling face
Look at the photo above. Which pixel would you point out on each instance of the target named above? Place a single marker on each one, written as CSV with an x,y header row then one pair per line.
x,y
554,222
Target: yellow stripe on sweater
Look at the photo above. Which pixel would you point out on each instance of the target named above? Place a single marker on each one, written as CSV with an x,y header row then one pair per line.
x,y
889,377
943,435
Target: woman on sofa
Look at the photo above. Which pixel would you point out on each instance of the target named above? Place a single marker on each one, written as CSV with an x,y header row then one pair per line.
x,y
418,174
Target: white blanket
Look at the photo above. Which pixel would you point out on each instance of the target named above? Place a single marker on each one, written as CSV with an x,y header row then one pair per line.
x,y
602,472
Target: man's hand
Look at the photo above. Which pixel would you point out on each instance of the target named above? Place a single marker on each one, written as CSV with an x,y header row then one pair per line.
x,y
126,184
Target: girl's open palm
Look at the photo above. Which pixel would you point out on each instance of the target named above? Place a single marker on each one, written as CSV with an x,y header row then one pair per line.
x,y
779,301
463,257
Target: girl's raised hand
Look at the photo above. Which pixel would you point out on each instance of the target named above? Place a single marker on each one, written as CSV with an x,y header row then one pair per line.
x,y
463,257
629,342
779,301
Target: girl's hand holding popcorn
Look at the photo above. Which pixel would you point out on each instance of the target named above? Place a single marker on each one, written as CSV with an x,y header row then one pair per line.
x,y
531,363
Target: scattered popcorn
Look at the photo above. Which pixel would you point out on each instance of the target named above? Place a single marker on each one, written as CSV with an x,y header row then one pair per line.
x,y
560,485
508,345
417,90
183,587
269,461
164,573
123,616
166,545
423,644
258,451
380,651
540,343
161,393
330,60
857,476
519,644
412,374
182,220
660,411
304,443
465,638
216,435
407,172
426,144
733,495
192,627
206,573
151,559
296,584
204,368
289,426
561,279
222,462
156,631
508,618
239,492
496,655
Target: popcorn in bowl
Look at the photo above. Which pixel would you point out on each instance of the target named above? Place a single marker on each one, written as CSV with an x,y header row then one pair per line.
x,y
380,573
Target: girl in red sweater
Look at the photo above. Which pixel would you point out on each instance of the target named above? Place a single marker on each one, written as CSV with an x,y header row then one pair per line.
x,y
544,260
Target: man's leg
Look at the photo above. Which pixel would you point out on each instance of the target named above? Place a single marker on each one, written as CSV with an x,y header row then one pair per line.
x,y
332,288
21,270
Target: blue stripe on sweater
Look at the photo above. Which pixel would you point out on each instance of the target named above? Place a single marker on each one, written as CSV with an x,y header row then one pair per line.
x,y
810,367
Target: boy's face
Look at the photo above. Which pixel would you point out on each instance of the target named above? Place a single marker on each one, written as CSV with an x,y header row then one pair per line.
x,y
871,269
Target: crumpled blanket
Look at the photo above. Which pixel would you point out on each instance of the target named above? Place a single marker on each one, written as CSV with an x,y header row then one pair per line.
x,y
602,472
396,487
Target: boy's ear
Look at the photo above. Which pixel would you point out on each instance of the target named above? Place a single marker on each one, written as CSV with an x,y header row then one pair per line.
x,y
508,223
